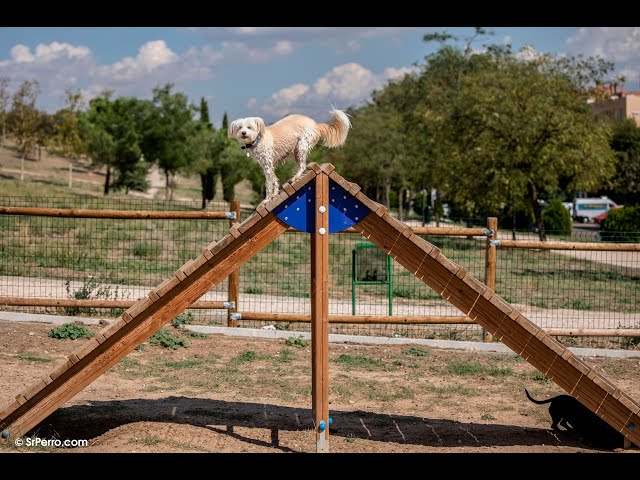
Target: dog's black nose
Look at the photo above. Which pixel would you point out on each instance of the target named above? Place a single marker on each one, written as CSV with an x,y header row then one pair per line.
x,y
243,133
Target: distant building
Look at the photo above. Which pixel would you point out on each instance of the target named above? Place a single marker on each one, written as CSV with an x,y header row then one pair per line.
x,y
615,105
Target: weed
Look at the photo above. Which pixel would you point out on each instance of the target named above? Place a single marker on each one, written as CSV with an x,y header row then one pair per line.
x,y
359,361
257,290
191,334
167,339
351,437
183,319
70,330
579,304
416,352
298,341
184,364
246,356
540,377
91,290
32,358
450,390
471,368
487,416
286,356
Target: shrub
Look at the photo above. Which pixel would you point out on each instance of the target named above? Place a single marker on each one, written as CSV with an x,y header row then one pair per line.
x,y
622,224
557,218
70,330
166,339
184,319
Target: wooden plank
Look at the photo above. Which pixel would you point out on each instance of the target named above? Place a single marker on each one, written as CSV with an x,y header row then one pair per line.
x,y
8,410
458,294
87,347
223,243
314,167
180,272
139,307
341,181
367,202
327,168
32,389
198,263
166,286
111,214
234,231
304,179
394,222
260,210
233,282
320,312
249,222
355,188
359,319
608,247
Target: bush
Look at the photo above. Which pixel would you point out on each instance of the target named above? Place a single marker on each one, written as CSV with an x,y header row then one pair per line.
x,y
70,330
622,224
166,339
556,218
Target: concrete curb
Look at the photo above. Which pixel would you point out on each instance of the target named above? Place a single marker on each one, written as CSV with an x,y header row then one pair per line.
x,y
333,337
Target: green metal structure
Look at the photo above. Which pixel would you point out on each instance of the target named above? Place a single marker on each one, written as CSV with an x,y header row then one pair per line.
x,y
370,266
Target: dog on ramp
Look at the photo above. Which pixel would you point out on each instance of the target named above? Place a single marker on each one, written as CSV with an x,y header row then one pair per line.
x,y
294,135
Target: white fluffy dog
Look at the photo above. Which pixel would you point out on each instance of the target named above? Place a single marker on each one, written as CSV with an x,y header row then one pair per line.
x,y
293,135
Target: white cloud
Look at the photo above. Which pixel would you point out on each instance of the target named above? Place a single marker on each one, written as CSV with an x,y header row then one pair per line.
x,y
620,45
283,47
345,85
506,40
252,102
21,54
351,47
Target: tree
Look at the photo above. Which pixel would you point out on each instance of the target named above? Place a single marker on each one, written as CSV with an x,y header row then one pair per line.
x,y
25,116
65,139
112,131
204,163
4,103
626,143
170,127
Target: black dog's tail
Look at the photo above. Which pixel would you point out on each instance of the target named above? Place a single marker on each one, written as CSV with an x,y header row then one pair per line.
x,y
539,402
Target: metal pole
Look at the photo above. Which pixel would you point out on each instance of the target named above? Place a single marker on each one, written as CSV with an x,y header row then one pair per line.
x,y
234,278
490,265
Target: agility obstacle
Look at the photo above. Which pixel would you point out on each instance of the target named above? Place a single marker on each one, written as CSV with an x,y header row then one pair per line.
x,y
321,203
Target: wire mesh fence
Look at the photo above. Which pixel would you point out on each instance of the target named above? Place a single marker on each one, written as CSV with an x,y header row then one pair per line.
x,y
112,259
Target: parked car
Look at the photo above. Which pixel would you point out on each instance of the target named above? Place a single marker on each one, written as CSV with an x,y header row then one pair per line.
x,y
598,218
586,209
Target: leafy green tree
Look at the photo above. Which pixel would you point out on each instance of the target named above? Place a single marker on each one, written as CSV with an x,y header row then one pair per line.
x,y
557,218
204,144
65,139
25,117
112,131
4,104
170,127
626,143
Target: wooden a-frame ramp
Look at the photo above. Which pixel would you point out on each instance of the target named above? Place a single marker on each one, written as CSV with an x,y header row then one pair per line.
x,y
246,239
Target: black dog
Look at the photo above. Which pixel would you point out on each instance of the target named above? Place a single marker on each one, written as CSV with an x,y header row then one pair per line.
x,y
569,413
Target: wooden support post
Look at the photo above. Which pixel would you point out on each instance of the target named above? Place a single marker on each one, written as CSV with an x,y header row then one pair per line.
x,y
490,265
320,314
234,278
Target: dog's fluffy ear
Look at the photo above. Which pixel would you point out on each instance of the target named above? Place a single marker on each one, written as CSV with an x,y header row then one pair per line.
x,y
260,125
233,128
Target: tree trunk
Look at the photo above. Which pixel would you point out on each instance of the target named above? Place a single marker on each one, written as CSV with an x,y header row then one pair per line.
x,y
537,211
387,193
167,182
203,184
436,209
400,204
107,180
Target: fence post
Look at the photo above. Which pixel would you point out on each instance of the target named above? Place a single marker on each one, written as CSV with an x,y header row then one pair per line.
x,y
234,277
490,264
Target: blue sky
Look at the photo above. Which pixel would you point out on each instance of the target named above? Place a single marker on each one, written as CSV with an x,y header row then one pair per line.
x,y
263,71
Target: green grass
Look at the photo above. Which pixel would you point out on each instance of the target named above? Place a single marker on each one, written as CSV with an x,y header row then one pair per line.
x,y
246,356
416,352
299,342
27,357
472,368
359,361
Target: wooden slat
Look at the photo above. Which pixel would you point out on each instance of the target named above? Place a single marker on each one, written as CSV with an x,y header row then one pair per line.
x,y
359,319
320,310
111,214
607,247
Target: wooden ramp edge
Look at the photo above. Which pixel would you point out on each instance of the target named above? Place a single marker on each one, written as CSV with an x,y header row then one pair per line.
x,y
485,307
145,317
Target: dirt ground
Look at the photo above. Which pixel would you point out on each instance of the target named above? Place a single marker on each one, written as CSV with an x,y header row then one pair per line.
x,y
227,394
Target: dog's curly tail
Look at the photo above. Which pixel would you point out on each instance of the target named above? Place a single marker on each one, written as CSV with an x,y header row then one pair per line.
x,y
335,133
